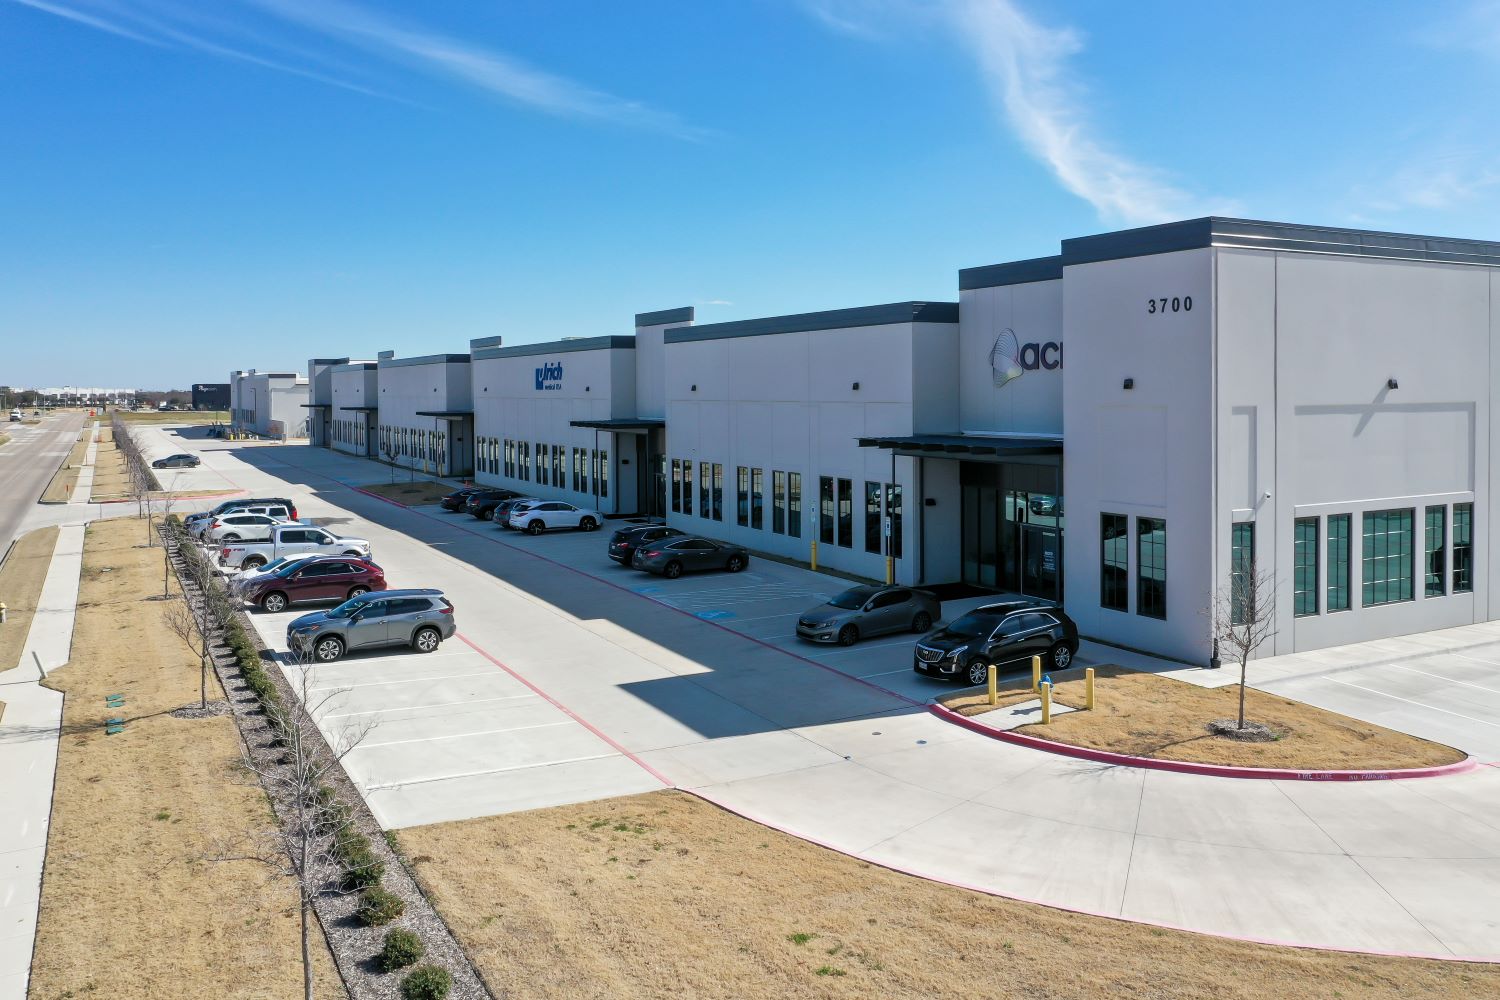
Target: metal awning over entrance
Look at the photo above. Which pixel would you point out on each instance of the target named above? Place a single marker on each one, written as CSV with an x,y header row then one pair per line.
x,y
446,414
317,406
620,424
360,409
959,445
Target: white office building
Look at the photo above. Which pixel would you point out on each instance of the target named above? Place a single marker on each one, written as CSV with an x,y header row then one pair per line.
x,y
353,388
271,404
425,413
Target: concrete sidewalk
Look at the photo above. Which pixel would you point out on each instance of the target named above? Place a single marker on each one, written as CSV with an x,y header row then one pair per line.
x,y
28,761
85,485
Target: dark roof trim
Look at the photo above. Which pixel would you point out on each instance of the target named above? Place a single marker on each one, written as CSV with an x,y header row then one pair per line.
x,y
317,406
426,359
966,444
362,409
1016,272
356,366
620,424
682,315
445,414
274,375
559,347
833,319
1214,231
479,343
328,361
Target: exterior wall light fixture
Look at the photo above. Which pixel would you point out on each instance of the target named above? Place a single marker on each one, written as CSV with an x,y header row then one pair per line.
x,y
855,387
1129,384
1390,383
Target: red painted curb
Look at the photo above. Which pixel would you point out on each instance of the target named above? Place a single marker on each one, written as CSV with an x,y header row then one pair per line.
x,y
914,873
1187,767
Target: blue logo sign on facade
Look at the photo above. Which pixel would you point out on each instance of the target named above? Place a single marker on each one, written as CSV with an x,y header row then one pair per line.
x,y
549,376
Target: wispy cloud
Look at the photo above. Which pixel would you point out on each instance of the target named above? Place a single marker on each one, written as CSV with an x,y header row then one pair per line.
x,y
1030,73
1436,183
714,302
166,24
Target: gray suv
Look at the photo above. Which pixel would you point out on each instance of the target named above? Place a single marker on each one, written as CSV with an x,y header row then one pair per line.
x,y
420,619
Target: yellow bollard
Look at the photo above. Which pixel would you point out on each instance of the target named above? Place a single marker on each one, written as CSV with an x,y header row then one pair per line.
x,y
1088,689
1046,703
814,553
890,571
994,688
1036,673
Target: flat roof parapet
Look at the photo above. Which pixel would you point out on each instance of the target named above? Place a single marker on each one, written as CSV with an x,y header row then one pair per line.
x,y
682,314
426,359
574,345
832,319
1016,272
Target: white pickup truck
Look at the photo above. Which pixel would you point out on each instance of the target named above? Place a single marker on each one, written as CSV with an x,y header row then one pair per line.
x,y
291,539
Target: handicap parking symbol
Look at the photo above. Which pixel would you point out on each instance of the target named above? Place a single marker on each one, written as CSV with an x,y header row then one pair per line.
x,y
647,590
715,615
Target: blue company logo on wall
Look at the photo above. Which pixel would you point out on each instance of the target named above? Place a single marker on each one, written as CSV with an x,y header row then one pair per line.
x,y
549,376
1010,359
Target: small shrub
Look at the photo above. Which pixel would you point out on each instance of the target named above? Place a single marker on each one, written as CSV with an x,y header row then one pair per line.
x,y
379,906
362,869
426,982
402,948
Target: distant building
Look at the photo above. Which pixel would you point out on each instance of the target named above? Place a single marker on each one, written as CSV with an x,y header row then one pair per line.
x,y
72,395
210,395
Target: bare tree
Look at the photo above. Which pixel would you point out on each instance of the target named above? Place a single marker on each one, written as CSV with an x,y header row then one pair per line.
x,y
1243,617
301,847
182,621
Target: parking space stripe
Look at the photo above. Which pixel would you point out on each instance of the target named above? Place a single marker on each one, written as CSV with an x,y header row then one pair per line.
x,y
458,736
400,680
1419,704
492,770
413,708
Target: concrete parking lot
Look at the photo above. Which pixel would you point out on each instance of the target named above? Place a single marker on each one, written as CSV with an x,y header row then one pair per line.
x,y
608,682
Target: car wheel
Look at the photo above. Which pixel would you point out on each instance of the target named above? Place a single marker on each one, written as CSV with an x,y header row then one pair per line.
x,y
735,564
672,570
328,649
254,562
488,514
588,524
848,635
274,602
357,591
978,672
426,640
1062,656
535,528
922,622
230,538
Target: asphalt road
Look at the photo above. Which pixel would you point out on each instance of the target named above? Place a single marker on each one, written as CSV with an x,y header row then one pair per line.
x,y
27,464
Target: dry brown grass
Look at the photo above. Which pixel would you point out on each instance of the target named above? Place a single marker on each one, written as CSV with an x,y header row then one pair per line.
x,y
171,417
1152,716
414,493
20,587
666,896
111,482
60,487
127,909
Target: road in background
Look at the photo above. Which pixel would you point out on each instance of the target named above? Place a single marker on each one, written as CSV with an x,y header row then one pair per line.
x,y
27,463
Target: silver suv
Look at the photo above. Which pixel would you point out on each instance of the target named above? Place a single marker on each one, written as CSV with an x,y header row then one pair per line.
x,y
421,619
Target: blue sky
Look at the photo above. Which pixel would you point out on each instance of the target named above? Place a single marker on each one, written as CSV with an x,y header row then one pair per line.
x,y
188,186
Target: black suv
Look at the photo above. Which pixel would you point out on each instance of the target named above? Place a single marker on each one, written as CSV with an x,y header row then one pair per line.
x,y
963,649
623,543
482,504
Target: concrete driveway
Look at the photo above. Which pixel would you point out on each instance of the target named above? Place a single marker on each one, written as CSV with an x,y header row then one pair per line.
x,y
837,747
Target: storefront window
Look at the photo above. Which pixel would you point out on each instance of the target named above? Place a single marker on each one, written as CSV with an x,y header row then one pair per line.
x,y
1151,567
1305,566
705,485
687,486
1114,562
1387,553
1463,548
1242,573
757,499
846,514
872,517
825,509
1436,534
778,502
1339,526
794,504
742,496
718,492
676,485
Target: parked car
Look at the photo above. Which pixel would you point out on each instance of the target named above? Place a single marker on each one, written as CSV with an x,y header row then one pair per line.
x,y
421,619
321,579
1043,505
242,579
291,539
505,508
675,556
860,612
457,499
275,506
623,543
482,503
239,526
550,515
963,649
181,461
16,416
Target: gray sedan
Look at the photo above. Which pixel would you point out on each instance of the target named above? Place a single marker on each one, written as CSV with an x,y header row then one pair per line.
x,y
866,611
671,557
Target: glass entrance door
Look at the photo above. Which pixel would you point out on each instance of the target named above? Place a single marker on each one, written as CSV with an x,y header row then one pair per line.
x,y
1012,538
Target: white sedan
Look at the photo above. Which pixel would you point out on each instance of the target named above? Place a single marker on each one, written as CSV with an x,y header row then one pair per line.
x,y
548,515
237,527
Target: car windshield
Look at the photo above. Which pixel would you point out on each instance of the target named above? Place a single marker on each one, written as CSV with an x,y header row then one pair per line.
x,y
274,564
853,598
347,608
972,624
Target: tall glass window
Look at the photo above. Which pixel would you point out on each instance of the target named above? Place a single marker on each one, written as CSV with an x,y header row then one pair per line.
x,y
1463,548
1434,563
543,467
846,514
705,484
718,492
893,511
510,458
825,509
778,502
1339,530
757,498
603,477
1387,556
872,517
687,486
794,504
1114,562
560,464
526,460
1151,567
1242,573
676,485
1305,566
742,490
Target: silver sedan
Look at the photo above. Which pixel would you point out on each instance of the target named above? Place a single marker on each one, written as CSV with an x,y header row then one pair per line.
x,y
866,611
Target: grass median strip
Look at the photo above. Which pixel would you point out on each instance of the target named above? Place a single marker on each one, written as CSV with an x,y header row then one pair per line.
x,y
60,488
1148,715
666,896
21,580
414,493
128,909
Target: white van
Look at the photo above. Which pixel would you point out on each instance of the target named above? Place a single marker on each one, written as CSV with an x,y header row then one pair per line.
x,y
15,416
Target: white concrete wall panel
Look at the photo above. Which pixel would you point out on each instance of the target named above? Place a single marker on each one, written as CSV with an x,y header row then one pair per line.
x,y
1032,402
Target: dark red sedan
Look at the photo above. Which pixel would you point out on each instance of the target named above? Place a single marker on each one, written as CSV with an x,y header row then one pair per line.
x,y
331,578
